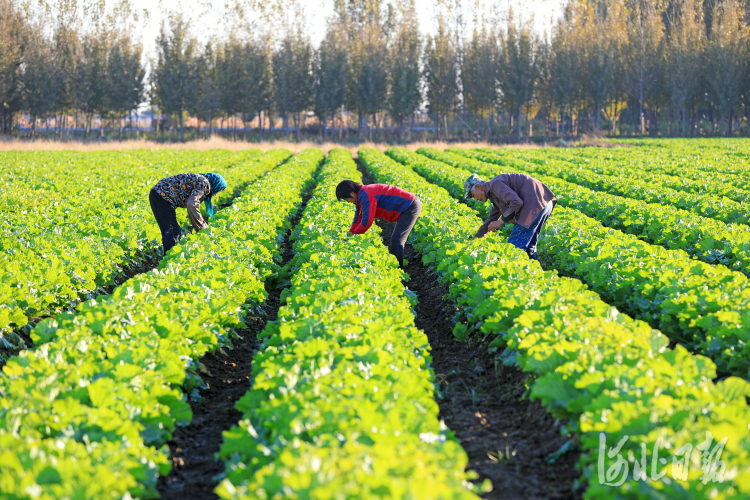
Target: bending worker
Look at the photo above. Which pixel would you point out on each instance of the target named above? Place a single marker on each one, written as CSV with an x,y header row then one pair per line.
x,y
382,201
517,199
183,191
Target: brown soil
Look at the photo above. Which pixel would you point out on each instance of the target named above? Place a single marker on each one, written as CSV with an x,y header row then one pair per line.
x,y
508,438
226,372
228,375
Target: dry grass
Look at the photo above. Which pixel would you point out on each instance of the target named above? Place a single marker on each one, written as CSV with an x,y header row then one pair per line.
x,y
221,143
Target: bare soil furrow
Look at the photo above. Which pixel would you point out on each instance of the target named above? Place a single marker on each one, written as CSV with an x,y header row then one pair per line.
x,y
228,376
507,437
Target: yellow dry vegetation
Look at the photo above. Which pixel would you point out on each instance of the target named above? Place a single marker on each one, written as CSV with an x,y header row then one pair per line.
x,y
221,143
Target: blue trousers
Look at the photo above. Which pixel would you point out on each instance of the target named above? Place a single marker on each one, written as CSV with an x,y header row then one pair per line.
x,y
526,239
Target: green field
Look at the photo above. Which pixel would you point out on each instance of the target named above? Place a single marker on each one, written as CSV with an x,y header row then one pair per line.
x,y
631,332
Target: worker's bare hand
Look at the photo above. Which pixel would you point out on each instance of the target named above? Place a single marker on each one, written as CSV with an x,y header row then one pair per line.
x,y
494,226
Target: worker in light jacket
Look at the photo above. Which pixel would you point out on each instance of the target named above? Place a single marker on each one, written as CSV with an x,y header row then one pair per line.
x,y
382,201
183,191
518,199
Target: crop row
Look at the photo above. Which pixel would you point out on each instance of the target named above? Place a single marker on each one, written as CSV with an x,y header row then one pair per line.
x,y
701,305
611,375
721,160
54,255
711,163
342,404
709,240
86,414
629,186
646,165
36,180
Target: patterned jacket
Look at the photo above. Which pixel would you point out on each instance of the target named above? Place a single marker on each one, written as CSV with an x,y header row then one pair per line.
x,y
186,191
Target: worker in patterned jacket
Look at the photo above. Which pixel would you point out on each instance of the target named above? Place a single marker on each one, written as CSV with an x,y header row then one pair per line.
x,y
518,199
382,201
183,191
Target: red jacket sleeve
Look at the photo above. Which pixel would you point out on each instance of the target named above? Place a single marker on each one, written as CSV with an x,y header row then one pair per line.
x,y
366,206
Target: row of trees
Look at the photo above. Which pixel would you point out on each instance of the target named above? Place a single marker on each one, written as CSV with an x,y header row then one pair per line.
x,y
56,62
679,59
682,58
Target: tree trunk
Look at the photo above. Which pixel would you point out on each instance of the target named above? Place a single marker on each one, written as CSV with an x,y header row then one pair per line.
x,y
731,119
325,125
286,124
640,106
520,115
692,119
182,128
298,118
562,133
683,120
260,124
596,121
46,123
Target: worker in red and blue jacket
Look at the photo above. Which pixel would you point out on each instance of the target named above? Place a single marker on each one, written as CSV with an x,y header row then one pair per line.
x,y
381,201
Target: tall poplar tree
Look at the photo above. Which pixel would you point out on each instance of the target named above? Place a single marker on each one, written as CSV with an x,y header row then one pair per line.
x,y
405,95
174,77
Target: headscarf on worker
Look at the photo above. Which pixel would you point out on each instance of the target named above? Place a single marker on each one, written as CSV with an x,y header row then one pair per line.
x,y
218,184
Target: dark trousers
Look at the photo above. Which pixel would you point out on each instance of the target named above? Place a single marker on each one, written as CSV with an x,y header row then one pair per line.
x,y
166,217
526,239
403,227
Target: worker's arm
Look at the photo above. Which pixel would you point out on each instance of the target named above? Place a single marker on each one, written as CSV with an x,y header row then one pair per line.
x,y
369,205
193,207
492,217
357,216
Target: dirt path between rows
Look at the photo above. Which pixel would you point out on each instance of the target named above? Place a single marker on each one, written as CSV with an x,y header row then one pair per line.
x,y
485,403
227,373
507,437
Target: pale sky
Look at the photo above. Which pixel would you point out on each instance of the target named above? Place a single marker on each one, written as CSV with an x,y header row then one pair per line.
x,y
207,14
